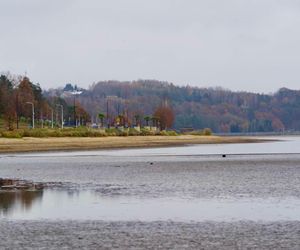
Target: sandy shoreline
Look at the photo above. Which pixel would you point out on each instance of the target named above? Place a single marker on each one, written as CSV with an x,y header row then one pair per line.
x,y
29,144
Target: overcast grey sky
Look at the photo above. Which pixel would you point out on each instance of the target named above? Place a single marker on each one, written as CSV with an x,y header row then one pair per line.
x,y
251,45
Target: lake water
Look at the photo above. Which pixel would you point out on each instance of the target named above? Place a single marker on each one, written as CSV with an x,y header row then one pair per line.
x,y
86,205
257,182
280,145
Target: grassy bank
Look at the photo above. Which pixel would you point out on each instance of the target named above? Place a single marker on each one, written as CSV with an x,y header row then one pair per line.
x,y
83,132
30,144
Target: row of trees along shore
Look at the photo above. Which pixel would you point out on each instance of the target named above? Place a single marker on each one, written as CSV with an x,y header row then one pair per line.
x,y
162,118
128,103
22,103
197,108
21,100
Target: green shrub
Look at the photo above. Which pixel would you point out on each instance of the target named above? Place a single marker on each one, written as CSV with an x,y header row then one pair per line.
x,y
122,133
55,133
94,133
111,131
172,133
145,132
133,132
206,131
36,133
168,133
12,134
80,132
163,132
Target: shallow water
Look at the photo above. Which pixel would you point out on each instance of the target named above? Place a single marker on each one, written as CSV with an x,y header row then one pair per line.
x,y
257,182
87,205
280,145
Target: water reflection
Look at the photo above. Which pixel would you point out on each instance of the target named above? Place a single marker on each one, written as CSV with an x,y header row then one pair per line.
x,y
22,200
89,205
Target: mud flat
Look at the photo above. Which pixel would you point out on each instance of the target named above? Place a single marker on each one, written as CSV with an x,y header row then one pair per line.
x,y
163,176
83,143
15,184
152,235
253,200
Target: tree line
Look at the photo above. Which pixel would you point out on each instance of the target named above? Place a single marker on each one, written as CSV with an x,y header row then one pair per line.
x,y
22,102
197,108
148,102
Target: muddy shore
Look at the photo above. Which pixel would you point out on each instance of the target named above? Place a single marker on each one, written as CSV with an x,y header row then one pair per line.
x,y
156,176
153,235
182,177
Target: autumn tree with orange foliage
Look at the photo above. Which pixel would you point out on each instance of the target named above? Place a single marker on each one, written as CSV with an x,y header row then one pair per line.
x,y
165,116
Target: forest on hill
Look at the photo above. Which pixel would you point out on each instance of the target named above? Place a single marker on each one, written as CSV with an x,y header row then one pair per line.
x,y
195,108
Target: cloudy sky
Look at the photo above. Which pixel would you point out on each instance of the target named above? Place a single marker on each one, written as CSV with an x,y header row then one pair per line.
x,y
251,45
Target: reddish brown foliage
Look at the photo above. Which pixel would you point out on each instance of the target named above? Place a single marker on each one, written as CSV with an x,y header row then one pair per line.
x,y
165,116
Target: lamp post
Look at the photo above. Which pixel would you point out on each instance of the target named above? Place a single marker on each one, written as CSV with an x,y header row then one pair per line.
x,y
51,117
17,103
75,93
32,105
62,114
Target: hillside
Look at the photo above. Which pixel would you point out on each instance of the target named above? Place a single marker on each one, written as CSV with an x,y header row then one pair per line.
x,y
216,108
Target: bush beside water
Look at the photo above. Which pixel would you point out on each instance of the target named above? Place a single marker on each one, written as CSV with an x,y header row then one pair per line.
x,y
205,131
168,133
11,134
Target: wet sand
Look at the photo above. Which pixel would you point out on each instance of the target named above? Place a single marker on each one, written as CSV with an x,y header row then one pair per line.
x,y
29,144
163,176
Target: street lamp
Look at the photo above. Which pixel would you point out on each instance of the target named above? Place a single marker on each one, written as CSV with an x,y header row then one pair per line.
x,y
51,117
75,93
32,105
62,114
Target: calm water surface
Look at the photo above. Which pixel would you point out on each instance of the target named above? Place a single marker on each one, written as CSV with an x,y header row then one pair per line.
x,y
88,205
280,145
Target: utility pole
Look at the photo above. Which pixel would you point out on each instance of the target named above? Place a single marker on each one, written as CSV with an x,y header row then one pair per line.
x,y
51,117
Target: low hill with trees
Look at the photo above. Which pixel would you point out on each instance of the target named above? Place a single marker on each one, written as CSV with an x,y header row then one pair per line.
x,y
196,108
148,103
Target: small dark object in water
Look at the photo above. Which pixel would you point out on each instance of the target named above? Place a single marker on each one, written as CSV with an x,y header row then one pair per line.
x,y
223,156
151,163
